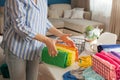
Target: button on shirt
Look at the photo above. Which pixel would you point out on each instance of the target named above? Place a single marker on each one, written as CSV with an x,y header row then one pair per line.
x,y
23,20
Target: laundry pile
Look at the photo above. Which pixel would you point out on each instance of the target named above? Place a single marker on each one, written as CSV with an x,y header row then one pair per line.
x,y
103,65
66,56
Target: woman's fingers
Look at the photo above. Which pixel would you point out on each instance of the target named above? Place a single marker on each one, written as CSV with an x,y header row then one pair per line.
x,y
59,41
52,48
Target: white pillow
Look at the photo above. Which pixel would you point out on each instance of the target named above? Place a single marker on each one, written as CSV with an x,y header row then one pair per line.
x,y
53,14
67,14
77,14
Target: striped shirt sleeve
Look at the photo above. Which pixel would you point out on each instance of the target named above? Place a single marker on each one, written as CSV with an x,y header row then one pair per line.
x,y
49,24
19,10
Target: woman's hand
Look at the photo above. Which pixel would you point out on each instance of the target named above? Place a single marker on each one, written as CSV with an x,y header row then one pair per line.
x,y
50,43
65,38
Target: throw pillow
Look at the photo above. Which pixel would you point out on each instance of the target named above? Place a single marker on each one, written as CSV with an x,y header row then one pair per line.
x,y
67,13
53,14
77,14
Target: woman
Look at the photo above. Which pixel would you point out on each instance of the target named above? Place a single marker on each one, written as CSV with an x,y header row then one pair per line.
x,y
25,28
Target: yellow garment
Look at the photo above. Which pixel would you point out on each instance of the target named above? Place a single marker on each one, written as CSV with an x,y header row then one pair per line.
x,y
85,61
68,48
71,54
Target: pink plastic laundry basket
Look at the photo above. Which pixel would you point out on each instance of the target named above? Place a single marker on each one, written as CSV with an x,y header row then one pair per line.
x,y
104,68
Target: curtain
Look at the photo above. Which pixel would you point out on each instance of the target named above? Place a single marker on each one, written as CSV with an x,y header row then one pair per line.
x,y
115,18
101,11
81,3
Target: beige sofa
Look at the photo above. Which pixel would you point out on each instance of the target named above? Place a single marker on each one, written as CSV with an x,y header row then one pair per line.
x,y
73,25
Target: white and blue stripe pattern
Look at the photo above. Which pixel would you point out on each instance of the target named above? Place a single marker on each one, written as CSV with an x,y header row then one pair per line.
x,y
23,20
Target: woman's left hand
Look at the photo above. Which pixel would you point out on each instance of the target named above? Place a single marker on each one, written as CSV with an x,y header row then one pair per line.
x,y
65,38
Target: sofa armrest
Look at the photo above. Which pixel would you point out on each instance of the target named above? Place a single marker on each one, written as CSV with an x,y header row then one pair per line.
x,y
87,15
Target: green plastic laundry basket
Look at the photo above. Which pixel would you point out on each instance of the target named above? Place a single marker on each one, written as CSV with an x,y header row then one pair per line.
x,y
59,60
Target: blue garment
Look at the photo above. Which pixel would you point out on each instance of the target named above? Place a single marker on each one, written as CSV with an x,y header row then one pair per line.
x,y
68,76
23,20
90,74
109,47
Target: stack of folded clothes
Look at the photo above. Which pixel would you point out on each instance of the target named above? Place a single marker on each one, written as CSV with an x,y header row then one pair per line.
x,y
66,56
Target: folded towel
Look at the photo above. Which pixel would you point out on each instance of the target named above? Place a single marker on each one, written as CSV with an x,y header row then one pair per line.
x,y
59,60
111,56
108,59
111,47
90,74
117,54
68,48
85,61
69,76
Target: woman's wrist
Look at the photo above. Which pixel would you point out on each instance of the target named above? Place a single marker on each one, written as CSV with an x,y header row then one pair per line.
x,y
41,38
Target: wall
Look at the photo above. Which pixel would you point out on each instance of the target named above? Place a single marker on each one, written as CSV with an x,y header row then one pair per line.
x,y
2,2
58,1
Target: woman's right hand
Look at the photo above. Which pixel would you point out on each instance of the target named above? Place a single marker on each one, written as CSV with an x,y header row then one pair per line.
x,y
50,43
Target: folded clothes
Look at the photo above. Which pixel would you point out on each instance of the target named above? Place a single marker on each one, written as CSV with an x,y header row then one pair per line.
x,y
67,55
69,49
85,61
110,55
108,59
90,74
69,76
78,73
117,54
59,60
111,47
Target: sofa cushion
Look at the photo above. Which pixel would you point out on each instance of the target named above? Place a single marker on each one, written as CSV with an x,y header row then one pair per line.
x,y
60,8
53,14
79,25
58,23
67,14
77,14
